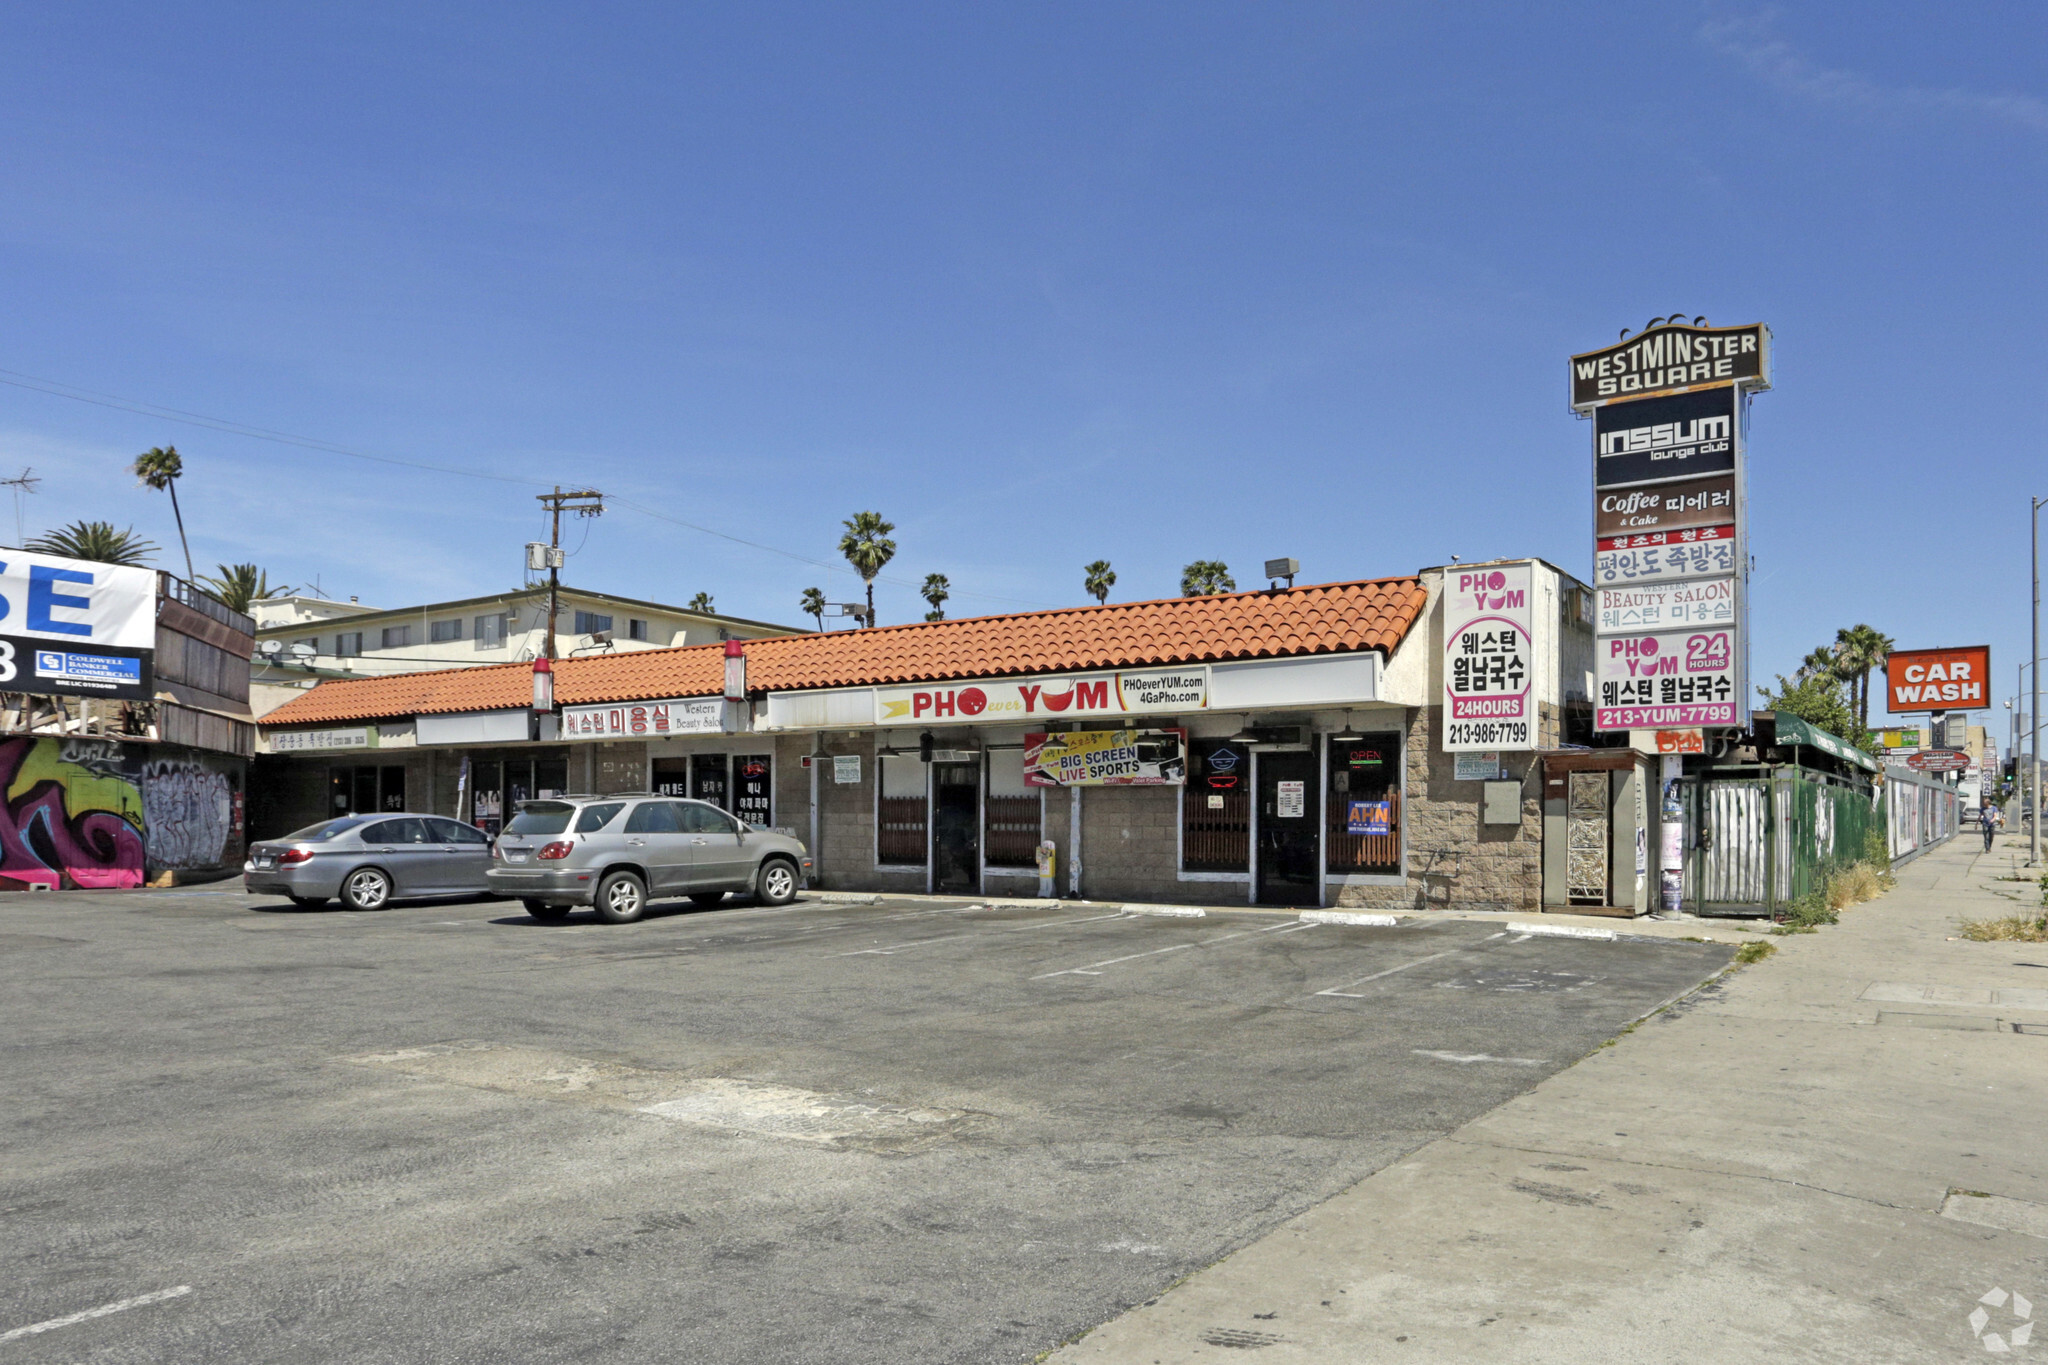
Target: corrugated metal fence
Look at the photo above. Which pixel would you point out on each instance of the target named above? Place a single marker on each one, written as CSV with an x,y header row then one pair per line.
x,y
1756,843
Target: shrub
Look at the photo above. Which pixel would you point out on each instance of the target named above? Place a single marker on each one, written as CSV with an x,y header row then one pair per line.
x,y
2011,929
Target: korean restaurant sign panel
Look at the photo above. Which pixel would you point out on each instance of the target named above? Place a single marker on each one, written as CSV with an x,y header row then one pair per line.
x,y
76,627
1156,691
1489,681
1106,758
1647,556
644,719
1664,359
1666,680
1938,679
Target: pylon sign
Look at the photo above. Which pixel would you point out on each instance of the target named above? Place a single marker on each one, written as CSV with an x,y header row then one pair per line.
x,y
1670,414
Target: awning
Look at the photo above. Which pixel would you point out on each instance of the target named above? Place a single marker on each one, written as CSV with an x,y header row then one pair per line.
x,y
1792,730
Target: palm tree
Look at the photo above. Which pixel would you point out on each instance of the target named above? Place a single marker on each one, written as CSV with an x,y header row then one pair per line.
x,y
935,591
813,606
1860,648
160,467
1820,663
1099,579
867,547
702,602
240,584
97,541
1206,576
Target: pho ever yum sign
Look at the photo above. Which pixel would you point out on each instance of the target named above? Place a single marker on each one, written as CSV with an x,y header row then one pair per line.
x,y
1489,684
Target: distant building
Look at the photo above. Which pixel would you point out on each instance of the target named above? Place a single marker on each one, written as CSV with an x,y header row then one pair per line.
x,y
301,640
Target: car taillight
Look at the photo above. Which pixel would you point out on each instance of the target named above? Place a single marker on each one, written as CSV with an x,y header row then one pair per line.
x,y
560,848
295,855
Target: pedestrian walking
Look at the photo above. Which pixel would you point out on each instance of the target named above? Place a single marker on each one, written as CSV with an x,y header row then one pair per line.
x,y
1990,817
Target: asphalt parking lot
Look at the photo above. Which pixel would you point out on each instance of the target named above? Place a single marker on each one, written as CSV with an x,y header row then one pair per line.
x,y
826,1133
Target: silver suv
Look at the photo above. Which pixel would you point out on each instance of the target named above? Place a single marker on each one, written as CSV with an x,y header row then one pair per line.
x,y
617,853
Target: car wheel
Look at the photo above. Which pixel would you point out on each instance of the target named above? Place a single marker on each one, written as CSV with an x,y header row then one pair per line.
x,y
775,883
307,902
621,898
367,888
546,913
707,898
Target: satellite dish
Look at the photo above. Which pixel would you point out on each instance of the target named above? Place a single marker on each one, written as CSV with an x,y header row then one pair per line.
x,y
270,649
301,651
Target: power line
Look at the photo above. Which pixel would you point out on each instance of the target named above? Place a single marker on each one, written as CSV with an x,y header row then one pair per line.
x,y
58,389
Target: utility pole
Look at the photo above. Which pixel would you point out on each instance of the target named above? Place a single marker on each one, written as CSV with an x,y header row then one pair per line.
x,y
584,502
24,482
2034,717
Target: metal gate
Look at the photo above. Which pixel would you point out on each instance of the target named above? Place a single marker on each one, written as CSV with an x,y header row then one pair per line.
x,y
1756,843
1588,831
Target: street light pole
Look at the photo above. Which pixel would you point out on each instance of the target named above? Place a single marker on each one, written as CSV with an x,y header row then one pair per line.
x,y
2034,717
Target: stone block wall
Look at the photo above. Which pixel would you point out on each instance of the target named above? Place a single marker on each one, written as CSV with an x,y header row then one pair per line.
x,y
1129,843
846,861
1453,859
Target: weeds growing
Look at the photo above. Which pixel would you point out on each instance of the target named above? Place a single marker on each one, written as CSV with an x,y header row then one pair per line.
x,y
2011,929
1836,887
1753,952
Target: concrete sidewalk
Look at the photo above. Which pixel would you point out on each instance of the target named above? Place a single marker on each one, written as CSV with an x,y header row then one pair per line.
x,y
1773,1170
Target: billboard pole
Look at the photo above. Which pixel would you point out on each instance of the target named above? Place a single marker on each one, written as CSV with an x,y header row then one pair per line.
x,y
2034,718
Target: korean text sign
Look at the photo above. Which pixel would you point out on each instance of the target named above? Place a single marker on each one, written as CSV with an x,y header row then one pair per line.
x,y
74,627
1666,681
1489,685
1938,679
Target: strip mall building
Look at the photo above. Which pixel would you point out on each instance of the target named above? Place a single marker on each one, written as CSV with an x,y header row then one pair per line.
x,y
1280,747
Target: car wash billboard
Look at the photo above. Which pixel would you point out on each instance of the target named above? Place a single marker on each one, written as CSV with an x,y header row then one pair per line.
x,y
76,628
1957,679
1670,415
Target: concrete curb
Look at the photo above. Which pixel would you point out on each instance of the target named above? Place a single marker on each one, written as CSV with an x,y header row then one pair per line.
x,y
1174,911
1350,917
1561,931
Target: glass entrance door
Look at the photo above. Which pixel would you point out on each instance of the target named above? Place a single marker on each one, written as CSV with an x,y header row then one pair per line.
x,y
1290,813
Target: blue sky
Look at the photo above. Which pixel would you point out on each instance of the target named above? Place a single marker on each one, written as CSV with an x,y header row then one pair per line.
x,y
1044,284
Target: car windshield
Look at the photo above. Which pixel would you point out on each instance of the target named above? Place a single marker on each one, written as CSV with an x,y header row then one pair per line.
x,y
541,817
325,830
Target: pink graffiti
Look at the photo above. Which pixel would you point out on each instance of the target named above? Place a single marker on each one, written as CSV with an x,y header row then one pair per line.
x,y
41,844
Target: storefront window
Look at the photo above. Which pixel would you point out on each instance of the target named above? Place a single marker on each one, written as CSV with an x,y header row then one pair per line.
x,y
1364,805
708,779
671,777
1011,811
1216,807
752,786
900,810
497,787
366,790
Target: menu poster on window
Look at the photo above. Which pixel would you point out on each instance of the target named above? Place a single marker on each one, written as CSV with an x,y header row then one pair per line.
x,y
1489,685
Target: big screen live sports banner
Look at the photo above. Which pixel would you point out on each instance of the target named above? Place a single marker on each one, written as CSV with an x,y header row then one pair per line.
x,y
1670,552
76,628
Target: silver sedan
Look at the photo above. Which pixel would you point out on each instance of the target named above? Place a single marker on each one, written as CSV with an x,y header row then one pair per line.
x,y
369,860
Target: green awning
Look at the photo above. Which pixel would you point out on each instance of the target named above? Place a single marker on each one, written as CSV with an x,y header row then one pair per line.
x,y
1792,730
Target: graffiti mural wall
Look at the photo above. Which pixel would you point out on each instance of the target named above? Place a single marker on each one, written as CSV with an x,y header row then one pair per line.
x,y
73,814
188,810
97,814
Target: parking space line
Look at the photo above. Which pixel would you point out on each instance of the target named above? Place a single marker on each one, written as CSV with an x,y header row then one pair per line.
x,y
1094,968
948,938
1346,989
118,1306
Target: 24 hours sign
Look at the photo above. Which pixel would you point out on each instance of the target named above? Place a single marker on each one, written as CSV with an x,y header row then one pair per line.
x,y
1489,684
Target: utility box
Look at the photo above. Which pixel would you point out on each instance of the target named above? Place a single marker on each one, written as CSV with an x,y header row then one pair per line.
x,y
1502,804
1599,825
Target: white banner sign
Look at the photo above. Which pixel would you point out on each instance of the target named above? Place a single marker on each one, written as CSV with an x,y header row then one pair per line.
x,y
645,719
1489,679
1139,692
1667,606
76,601
299,741
1666,681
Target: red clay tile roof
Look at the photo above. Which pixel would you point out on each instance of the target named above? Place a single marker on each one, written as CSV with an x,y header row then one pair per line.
x,y
1325,619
